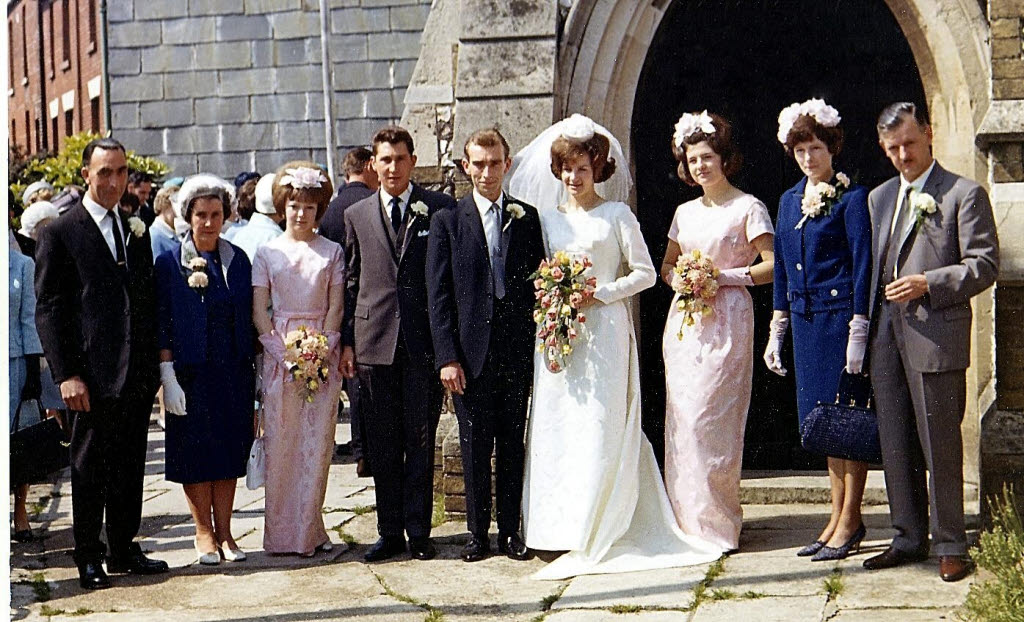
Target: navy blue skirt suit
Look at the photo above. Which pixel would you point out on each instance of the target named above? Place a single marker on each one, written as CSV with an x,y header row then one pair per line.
x,y
211,336
822,278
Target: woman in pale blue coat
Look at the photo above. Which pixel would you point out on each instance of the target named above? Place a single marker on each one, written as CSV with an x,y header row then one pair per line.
x,y
23,361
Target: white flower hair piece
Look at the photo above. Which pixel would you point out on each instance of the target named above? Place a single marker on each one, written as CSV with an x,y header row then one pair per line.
x,y
816,108
690,124
303,177
578,128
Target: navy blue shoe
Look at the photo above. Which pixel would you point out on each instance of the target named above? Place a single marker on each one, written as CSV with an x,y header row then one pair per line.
x,y
810,549
831,553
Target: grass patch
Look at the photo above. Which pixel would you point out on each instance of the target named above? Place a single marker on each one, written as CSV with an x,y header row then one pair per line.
x,y
81,611
700,591
625,609
38,506
359,510
40,587
433,613
343,535
1000,551
752,595
48,611
548,601
833,584
722,595
438,517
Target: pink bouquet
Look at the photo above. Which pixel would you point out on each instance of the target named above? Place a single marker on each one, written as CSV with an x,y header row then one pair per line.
x,y
562,289
305,357
695,279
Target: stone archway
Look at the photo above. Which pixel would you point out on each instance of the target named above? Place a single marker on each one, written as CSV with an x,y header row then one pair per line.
x,y
606,43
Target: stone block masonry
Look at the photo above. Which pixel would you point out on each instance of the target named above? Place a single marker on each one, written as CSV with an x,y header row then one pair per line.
x,y
219,86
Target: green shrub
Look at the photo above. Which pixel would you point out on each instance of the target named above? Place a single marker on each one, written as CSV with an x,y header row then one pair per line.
x,y
1001,552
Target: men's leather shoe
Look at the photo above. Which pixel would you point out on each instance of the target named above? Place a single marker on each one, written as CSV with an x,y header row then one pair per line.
x,y
385,548
92,577
954,567
476,549
892,558
513,547
422,548
136,563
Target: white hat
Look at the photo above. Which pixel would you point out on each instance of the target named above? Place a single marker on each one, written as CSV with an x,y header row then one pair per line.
x,y
35,214
264,194
201,185
33,188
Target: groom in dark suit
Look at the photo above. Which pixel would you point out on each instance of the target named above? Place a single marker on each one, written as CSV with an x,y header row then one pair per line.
x,y
934,247
479,260
386,336
97,322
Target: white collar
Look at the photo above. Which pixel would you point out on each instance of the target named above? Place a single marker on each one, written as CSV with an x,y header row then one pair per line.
x,y
162,227
917,184
404,197
97,211
483,204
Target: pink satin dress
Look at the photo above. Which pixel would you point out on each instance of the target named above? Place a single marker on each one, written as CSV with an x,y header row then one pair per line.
x,y
708,375
299,436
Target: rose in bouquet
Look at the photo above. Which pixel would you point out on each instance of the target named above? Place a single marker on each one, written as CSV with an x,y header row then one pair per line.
x,y
305,357
695,279
562,288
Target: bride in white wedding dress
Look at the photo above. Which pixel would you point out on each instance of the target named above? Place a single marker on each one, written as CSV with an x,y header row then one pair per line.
x,y
591,484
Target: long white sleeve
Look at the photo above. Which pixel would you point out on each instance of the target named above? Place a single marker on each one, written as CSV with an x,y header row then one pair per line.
x,y
636,257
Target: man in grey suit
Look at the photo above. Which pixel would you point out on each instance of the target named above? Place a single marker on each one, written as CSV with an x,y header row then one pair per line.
x,y
934,247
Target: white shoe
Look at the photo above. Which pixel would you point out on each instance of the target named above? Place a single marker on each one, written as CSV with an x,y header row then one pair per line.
x,y
208,559
233,554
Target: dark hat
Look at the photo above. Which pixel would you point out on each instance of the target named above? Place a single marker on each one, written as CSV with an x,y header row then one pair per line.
x,y
245,176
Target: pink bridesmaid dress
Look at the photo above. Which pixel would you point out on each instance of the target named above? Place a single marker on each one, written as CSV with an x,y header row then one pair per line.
x,y
708,375
299,436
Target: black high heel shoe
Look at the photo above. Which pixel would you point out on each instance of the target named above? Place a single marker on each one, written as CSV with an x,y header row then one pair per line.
x,y
831,553
810,549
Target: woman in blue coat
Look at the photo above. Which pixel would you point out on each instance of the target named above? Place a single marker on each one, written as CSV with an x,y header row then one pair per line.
x,y
822,281
204,304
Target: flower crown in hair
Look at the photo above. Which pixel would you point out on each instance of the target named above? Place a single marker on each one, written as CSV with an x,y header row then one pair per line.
x,y
816,108
578,128
689,124
302,177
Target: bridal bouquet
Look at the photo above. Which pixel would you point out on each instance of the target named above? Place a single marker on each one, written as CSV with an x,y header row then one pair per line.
x,y
695,279
306,359
561,290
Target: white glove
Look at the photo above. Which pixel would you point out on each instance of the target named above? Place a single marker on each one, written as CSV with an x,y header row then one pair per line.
x,y
174,395
735,276
857,344
773,351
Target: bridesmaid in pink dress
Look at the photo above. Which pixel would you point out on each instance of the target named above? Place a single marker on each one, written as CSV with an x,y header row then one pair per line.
x,y
708,371
300,276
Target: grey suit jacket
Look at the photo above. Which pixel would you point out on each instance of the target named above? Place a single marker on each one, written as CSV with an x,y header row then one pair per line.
x,y
957,250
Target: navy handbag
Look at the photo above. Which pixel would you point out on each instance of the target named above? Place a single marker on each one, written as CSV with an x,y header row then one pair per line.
x,y
848,428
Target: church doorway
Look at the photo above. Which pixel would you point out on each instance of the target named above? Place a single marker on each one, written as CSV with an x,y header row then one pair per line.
x,y
746,60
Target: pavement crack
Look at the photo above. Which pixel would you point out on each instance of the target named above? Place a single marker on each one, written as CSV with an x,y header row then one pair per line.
x,y
433,613
700,591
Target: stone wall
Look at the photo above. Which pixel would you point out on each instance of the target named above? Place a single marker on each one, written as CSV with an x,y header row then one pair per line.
x,y
224,86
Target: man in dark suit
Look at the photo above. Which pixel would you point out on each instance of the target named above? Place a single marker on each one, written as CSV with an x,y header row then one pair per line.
x,y
934,247
97,322
386,334
360,182
479,260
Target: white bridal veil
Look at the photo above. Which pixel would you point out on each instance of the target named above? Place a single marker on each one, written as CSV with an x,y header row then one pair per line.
x,y
530,178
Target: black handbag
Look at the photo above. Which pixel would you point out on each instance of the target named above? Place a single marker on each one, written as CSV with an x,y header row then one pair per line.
x,y
848,428
37,450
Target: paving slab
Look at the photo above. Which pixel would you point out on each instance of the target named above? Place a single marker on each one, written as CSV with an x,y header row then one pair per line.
x,y
888,615
668,587
599,615
791,609
910,586
778,576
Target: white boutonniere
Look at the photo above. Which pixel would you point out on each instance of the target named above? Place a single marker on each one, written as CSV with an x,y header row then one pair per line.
x,y
821,197
137,226
922,204
516,212
197,278
419,208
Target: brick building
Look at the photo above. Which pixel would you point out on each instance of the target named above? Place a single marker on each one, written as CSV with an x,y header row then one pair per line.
x,y
54,68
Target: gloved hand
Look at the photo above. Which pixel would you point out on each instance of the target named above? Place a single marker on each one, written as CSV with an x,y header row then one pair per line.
x,y
857,344
773,351
735,276
273,345
174,395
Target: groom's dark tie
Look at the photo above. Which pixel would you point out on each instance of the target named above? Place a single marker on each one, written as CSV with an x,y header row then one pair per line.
x,y
396,214
498,257
122,261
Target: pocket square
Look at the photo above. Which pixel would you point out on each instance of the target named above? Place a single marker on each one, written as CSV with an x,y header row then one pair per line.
x,y
420,234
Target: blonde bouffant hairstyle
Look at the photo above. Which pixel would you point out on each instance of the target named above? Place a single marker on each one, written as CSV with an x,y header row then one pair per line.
x,y
282,194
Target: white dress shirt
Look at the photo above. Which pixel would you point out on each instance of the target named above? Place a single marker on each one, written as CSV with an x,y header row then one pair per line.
x,y
403,201
106,225
917,185
490,220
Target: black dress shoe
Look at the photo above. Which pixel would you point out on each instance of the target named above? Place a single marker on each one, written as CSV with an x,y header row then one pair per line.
x,y
136,563
893,557
385,548
422,548
476,549
26,535
513,547
92,577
